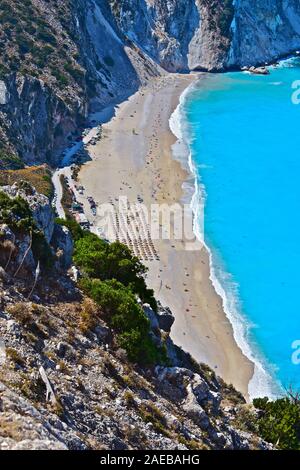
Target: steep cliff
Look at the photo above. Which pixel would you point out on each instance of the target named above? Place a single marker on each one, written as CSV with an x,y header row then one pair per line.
x,y
60,60
263,31
66,380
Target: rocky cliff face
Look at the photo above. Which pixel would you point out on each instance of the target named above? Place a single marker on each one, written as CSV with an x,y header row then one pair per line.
x,y
35,120
263,31
210,34
69,58
23,246
64,381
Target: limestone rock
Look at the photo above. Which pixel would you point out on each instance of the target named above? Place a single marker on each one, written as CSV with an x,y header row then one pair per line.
x,y
63,244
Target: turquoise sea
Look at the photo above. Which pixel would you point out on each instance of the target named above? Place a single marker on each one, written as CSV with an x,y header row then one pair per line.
x,y
243,133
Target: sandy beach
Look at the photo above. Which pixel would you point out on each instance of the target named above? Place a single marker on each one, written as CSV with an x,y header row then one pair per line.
x,y
134,159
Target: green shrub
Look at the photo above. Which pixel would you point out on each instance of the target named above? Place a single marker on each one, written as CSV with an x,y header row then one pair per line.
x,y
15,212
75,72
126,317
9,160
280,422
227,14
101,260
17,215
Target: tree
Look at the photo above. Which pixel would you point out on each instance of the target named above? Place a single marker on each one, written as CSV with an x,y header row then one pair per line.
x,y
126,318
280,422
101,260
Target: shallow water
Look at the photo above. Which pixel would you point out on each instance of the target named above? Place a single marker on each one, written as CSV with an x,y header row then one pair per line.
x,y
243,132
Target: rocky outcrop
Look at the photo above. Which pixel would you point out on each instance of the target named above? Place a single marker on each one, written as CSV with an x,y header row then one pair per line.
x,y
35,120
19,246
164,30
263,31
38,204
211,34
98,399
62,243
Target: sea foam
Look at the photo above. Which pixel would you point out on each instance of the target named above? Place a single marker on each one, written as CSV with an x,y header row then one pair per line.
x,y
263,382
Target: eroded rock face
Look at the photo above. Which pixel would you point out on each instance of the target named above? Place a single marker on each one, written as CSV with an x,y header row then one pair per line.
x,y
30,113
121,45
263,31
39,205
164,29
63,244
210,34
3,93
17,247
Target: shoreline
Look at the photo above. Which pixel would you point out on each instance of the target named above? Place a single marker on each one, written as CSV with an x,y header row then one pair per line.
x,y
135,159
229,301
262,383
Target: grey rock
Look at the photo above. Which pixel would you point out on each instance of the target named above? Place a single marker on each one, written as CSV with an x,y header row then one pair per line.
x,y
36,444
63,244
195,412
118,444
39,205
199,388
3,275
61,349
13,327
102,333
152,317
264,31
4,96
165,319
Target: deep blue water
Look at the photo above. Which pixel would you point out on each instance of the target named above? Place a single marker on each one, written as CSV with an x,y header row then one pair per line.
x,y
244,135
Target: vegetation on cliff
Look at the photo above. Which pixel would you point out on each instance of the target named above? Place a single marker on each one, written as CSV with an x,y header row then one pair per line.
x,y
75,335
37,46
113,278
279,421
38,176
16,213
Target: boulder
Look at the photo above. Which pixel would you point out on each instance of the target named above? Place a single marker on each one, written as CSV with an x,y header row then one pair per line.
x,y
13,327
62,243
102,333
4,95
165,319
195,412
37,444
24,258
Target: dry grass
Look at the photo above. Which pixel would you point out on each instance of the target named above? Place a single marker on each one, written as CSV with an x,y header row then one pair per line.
x,y
11,429
88,315
15,357
38,176
149,413
129,398
21,312
192,444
